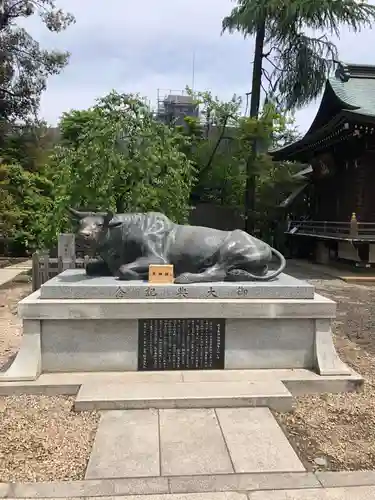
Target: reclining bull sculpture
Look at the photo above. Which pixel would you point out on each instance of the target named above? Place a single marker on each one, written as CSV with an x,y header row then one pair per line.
x,y
128,243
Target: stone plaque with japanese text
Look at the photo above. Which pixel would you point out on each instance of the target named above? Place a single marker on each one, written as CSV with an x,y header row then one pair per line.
x,y
181,344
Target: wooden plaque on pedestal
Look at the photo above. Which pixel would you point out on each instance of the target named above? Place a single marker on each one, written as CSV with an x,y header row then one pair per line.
x,y
160,273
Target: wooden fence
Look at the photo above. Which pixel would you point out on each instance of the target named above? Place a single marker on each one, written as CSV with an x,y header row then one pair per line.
x,y
46,267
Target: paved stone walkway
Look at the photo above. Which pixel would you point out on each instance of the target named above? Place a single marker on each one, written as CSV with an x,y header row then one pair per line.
x,y
10,272
189,442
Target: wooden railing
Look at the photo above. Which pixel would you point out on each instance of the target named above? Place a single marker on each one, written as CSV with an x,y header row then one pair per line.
x,y
70,256
45,267
333,229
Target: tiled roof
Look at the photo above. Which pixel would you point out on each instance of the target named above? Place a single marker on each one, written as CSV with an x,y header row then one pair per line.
x,y
354,85
348,95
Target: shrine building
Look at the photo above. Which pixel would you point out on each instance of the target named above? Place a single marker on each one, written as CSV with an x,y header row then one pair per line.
x,y
335,218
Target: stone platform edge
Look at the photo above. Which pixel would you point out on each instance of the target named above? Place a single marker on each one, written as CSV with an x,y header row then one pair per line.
x,y
243,482
33,307
297,381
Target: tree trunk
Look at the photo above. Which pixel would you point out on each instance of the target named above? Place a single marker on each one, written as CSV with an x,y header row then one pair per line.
x,y
254,111
207,167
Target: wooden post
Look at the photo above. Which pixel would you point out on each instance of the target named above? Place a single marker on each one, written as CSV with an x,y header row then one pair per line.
x,y
35,272
86,260
60,265
45,268
66,250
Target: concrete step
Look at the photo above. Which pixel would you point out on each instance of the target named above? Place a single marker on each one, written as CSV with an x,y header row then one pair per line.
x,y
298,381
114,396
187,443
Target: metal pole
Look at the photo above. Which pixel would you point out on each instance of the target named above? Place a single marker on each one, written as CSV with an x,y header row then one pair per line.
x,y
193,75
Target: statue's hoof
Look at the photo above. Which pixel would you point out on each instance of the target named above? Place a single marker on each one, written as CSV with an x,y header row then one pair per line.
x,y
183,279
127,275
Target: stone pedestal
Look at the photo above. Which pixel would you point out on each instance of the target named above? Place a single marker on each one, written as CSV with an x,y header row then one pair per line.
x,y
79,324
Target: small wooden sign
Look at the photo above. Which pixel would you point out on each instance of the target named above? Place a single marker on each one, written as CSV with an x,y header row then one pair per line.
x,y
160,273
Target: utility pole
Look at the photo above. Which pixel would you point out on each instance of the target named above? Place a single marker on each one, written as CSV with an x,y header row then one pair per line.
x,y
193,75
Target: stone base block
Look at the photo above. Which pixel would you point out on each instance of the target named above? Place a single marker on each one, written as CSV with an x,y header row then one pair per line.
x,y
97,335
102,335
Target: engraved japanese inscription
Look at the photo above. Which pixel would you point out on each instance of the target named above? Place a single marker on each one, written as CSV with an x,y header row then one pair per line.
x,y
181,344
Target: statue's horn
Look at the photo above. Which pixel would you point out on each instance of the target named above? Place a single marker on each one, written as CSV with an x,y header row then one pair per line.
x,y
77,214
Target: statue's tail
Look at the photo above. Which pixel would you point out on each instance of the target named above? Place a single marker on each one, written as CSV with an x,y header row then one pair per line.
x,y
242,275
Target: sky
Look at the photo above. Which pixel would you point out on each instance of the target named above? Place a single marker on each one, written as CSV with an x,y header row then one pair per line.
x,y
147,45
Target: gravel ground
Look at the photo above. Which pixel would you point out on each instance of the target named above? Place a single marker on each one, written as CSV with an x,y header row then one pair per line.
x,y
337,432
41,437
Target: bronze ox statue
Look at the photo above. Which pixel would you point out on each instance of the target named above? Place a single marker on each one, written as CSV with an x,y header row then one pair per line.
x,y
128,243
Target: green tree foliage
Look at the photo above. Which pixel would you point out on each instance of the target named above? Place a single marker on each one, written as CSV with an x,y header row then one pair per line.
x,y
24,65
298,63
213,148
25,143
29,145
116,156
274,179
25,198
25,191
222,144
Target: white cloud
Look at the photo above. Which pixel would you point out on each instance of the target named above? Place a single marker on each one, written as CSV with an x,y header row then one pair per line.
x,y
145,45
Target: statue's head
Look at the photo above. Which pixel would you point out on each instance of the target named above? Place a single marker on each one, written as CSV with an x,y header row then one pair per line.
x,y
93,225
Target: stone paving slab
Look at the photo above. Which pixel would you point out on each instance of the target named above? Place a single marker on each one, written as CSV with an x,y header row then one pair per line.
x,y
126,445
159,485
90,488
191,442
354,493
297,486
256,442
361,493
229,495
10,272
346,478
243,482
4,489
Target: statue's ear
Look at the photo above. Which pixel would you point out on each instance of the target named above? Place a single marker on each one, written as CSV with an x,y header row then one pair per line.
x,y
109,222
114,223
107,218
